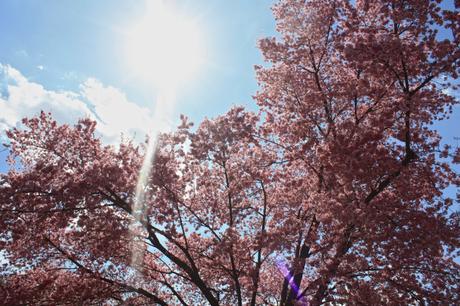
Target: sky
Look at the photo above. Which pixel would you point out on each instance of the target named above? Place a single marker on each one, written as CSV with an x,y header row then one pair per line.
x,y
69,57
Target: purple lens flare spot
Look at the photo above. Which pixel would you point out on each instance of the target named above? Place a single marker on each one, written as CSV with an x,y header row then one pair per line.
x,y
284,269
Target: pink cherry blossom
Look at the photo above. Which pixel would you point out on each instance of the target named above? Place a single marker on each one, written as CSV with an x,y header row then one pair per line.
x,y
340,175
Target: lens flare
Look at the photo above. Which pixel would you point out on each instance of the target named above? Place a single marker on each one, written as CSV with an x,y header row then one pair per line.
x,y
284,269
161,122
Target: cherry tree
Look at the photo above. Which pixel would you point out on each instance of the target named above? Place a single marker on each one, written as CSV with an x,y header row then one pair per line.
x,y
74,235
333,194
349,99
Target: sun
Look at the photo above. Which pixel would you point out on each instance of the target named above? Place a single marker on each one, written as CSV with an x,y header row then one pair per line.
x,y
164,47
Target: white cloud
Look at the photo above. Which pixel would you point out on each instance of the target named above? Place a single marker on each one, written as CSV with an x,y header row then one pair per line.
x,y
22,53
40,67
115,112
109,106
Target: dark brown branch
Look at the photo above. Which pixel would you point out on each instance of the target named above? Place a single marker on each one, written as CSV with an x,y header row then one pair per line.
x,y
141,291
259,252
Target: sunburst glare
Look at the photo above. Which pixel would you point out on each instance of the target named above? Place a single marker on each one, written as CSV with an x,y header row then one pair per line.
x,y
165,46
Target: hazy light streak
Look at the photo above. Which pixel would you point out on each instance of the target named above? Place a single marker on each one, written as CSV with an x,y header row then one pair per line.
x,y
161,122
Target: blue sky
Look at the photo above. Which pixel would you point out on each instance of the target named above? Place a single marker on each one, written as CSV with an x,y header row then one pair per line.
x,y
67,57
71,52
75,40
